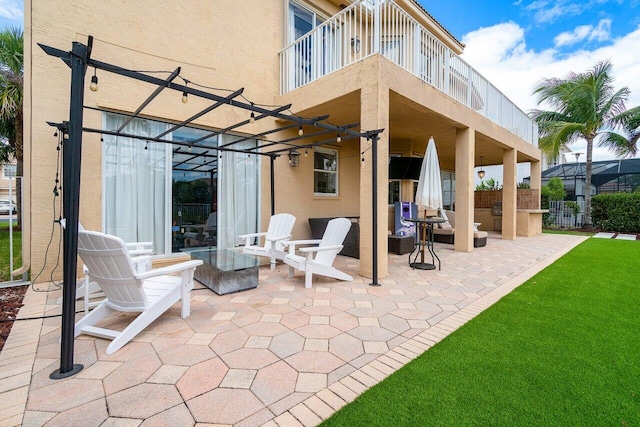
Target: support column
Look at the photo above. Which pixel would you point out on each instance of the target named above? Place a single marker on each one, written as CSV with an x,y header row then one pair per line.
x,y
536,178
509,194
374,114
465,154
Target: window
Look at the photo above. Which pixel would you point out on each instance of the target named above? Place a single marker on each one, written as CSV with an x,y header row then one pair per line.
x,y
9,171
393,48
301,21
394,185
394,191
448,189
325,172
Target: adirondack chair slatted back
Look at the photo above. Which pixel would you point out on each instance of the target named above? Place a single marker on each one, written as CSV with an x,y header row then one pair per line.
x,y
279,225
334,234
109,264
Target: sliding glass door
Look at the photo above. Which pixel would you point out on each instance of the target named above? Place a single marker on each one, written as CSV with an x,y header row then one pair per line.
x,y
174,195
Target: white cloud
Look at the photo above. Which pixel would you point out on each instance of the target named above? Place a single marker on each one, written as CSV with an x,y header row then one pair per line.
x,y
11,9
546,11
584,32
500,54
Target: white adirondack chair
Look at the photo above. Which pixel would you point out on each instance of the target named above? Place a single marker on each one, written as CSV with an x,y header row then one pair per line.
x,y
275,238
141,256
325,253
151,293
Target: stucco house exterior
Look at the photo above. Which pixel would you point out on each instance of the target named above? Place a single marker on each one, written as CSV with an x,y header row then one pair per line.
x,y
383,64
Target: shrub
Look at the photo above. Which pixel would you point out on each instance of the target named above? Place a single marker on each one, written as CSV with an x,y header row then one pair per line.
x,y
488,185
554,190
616,212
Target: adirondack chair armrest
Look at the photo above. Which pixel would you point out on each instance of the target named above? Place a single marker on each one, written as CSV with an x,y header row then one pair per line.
x,y
244,236
170,269
293,243
321,248
247,237
277,239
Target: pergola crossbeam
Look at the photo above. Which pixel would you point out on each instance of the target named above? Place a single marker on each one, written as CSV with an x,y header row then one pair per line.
x,y
151,97
202,113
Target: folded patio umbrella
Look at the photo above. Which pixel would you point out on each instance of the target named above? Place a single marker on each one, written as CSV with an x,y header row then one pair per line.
x,y
429,194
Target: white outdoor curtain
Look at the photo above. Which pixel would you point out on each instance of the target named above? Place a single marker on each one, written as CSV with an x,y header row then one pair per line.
x,y
134,175
429,192
238,193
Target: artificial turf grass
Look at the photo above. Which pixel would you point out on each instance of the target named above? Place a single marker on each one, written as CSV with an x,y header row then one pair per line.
x,y
562,349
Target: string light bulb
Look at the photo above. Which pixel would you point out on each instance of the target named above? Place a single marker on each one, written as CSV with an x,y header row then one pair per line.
x,y
94,82
185,95
339,139
305,153
300,131
252,118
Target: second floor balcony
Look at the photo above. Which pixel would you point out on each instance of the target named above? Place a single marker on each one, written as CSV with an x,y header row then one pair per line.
x,y
369,27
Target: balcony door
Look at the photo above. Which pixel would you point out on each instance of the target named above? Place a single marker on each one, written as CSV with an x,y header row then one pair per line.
x,y
315,55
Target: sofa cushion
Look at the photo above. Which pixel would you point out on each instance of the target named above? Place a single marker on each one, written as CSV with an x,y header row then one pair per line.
x,y
450,216
443,231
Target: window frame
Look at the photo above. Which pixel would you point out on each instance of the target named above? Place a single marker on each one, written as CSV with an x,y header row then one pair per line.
x,y
11,167
336,172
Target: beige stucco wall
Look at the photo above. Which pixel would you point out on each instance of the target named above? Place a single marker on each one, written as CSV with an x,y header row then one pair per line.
x,y
232,45
225,46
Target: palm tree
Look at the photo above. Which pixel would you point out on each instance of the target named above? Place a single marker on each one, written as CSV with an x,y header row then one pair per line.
x,y
585,106
11,94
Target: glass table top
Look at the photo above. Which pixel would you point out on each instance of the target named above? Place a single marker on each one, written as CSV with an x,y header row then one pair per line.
x,y
223,259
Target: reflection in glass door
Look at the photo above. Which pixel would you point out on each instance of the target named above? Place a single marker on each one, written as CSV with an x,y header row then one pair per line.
x,y
194,192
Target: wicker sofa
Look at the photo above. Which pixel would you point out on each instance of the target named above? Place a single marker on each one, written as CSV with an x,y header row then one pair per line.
x,y
447,235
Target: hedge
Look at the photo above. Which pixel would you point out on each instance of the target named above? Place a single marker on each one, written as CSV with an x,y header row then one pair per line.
x,y
616,212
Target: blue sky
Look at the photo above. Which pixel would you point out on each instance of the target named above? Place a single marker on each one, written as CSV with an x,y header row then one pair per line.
x,y
11,13
586,24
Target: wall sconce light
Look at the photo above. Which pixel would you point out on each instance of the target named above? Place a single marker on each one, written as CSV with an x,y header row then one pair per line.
x,y
355,44
481,172
294,158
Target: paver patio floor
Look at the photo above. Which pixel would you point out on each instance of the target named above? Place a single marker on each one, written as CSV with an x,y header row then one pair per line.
x,y
279,354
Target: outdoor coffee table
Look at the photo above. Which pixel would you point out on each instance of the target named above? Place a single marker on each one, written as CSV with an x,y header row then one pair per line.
x,y
224,270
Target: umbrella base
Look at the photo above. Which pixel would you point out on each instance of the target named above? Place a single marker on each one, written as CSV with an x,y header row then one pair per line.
x,y
422,266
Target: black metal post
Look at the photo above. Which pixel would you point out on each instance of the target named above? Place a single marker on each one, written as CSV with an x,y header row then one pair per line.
x,y
71,157
273,187
374,204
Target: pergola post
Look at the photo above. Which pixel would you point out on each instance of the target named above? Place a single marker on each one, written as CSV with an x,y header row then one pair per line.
x,y
71,158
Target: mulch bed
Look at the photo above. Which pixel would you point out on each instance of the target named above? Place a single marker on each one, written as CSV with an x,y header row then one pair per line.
x,y
10,302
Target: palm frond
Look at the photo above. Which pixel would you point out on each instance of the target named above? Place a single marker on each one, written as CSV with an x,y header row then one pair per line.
x,y
557,135
619,144
12,50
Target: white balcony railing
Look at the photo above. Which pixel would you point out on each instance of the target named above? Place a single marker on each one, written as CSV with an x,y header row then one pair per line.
x,y
368,27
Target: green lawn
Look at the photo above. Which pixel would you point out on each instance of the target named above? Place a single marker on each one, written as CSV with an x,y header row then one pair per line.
x,y
562,349
4,251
